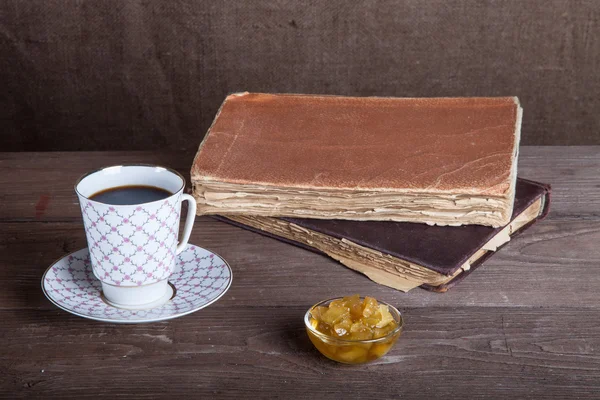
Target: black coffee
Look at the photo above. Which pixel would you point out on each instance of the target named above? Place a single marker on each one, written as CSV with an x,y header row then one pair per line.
x,y
128,195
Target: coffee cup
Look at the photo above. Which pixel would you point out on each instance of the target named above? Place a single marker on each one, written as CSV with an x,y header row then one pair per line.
x,y
131,218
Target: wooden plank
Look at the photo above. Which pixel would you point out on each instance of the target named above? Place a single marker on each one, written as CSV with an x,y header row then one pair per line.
x,y
48,178
555,263
524,325
41,185
263,352
573,173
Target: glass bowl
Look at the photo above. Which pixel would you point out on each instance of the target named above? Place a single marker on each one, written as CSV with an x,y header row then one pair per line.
x,y
353,351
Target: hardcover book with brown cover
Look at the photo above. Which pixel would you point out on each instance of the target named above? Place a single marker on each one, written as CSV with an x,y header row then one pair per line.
x,y
443,161
406,255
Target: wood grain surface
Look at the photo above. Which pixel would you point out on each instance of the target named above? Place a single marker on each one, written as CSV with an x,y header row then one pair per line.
x,y
525,325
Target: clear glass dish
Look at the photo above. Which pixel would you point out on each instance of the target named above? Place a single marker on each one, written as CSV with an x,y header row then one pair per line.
x,y
353,351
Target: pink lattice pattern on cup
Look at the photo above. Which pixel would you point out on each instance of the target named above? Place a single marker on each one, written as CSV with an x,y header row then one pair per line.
x,y
132,245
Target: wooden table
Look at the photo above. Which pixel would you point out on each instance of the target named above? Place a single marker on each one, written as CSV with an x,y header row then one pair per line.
x,y
527,324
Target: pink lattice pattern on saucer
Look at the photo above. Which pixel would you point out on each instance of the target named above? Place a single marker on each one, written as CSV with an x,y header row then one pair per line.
x,y
200,277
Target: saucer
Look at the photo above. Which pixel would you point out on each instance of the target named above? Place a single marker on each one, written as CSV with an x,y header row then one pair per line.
x,y
200,278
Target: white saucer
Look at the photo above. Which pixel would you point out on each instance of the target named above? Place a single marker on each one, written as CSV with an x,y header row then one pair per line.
x,y
200,278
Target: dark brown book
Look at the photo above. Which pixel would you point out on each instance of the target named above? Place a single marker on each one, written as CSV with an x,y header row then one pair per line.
x,y
405,255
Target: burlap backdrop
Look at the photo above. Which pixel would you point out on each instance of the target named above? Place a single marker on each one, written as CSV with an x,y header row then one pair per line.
x,y
151,74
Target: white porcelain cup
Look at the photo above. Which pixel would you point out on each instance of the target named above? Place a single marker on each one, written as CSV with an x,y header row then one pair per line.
x,y
133,248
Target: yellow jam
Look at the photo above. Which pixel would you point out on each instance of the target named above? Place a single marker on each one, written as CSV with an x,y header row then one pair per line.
x,y
347,322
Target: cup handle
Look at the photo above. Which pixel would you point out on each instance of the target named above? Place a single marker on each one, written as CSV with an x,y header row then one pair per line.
x,y
189,221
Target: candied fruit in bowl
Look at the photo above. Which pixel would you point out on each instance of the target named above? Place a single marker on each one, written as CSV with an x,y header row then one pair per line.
x,y
352,329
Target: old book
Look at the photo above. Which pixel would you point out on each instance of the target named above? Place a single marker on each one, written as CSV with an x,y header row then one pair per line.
x,y
444,161
406,255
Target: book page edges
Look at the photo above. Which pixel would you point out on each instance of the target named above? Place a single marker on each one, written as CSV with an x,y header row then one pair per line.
x,y
405,275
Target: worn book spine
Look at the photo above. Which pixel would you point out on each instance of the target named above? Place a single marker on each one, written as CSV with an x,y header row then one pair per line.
x,y
444,288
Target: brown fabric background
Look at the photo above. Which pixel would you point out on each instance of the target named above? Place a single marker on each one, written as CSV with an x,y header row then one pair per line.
x,y
101,75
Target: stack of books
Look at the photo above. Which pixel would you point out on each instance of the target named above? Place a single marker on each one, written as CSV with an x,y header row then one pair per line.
x,y
410,192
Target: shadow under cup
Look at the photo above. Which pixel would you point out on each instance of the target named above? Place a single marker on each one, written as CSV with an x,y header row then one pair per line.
x,y
133,248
